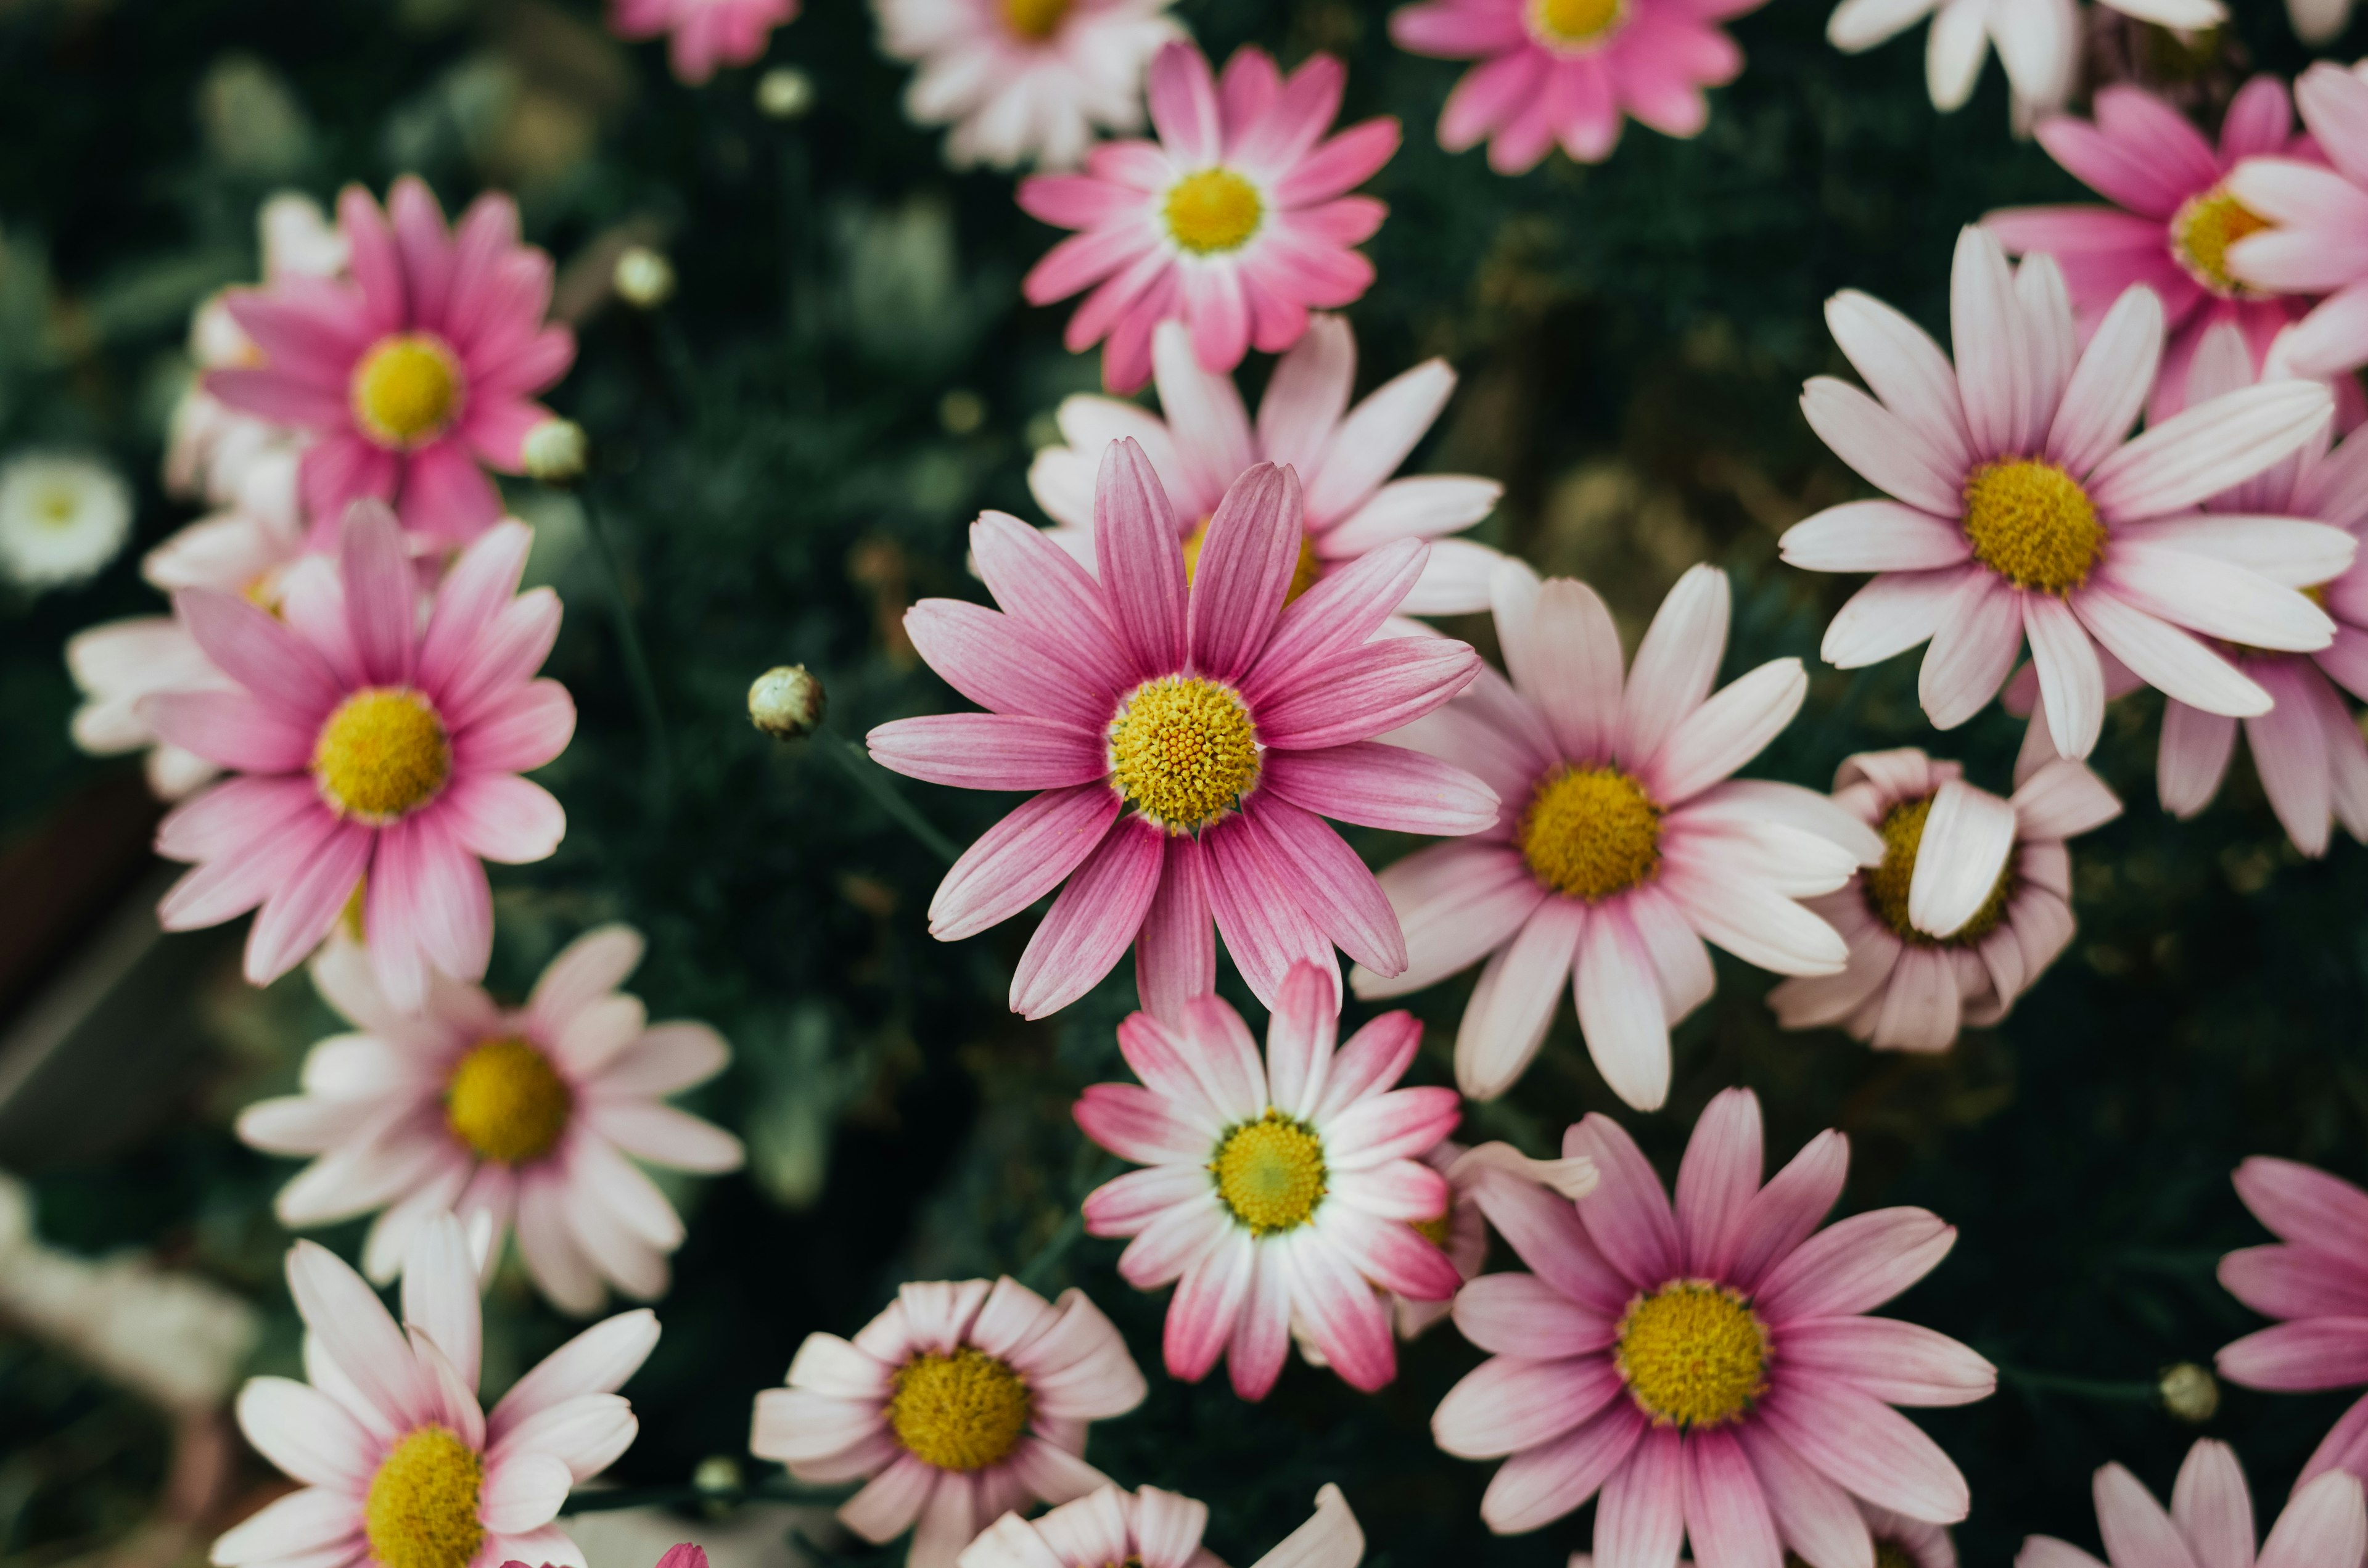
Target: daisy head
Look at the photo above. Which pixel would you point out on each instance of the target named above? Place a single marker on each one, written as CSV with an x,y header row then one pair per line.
x,y
2310,210
960,1403
2311,1280
2211,1520
1899,1542
1156,1529
703,34
62,517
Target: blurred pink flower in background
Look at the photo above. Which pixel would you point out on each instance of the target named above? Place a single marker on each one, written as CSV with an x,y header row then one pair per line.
x,y
703,34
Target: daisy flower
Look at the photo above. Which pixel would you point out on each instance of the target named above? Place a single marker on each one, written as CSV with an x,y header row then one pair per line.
x,y
417,375
1187,735
400,1467
2319,21
1151,1529
958,1404
2211,1520
1277,1191
366,749
2310,236
1568,71
2038,40
1620,842
2314,1282
702,34
1965,911
1025,79
1234,221
2021,512
1710,1373
1206,440
503,1115
62,517
1899,1542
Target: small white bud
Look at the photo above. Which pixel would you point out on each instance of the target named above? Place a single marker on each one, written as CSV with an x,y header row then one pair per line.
x,y
644,278
2191,1393
786,702
784,93
554,452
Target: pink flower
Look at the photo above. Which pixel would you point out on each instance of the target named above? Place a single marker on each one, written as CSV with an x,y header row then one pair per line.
x,y
1968,906
2038,42
2317,1282
1711,1373
1187,735
1458,1230
397,1461
2312,234
1619,842
1911,1543
959,1403
702,34
418,371
1234,221
2022,512
2211,1520
1565,71
1277,1191
1151,1529
367,753
502,1114
1206,441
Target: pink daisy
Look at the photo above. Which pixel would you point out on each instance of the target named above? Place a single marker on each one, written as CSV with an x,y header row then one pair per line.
x,y
1277,1191
1234,221
1206,440
2310,234
1151,1529
1620,842
367,748
1968,906
2317,1281
414,376
702,34
2022,512
1188,736
2210,1520
503,1115
1899,1542
1711,1373
958,1404
399,1463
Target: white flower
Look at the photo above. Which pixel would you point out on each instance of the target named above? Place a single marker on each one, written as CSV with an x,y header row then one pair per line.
x,y
62,519
2038,42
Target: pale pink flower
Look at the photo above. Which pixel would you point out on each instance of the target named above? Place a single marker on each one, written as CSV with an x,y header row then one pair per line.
x,y
2316,1280
2038,42
1710,1373
1234,221
2210,1520
504,1116
703,34
415,376
958,1404
1151,1529
2312,234
2021,511
369,753
1188,735
1619,842
397,1461
1968,906
1899,1542
1204,439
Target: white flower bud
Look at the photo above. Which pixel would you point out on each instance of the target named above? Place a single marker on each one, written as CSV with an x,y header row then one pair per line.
x,y
784,93
554,452
644,278
786,702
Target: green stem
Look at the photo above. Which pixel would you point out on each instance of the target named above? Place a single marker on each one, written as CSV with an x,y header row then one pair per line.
x,y
2081,1388
868,775
637,663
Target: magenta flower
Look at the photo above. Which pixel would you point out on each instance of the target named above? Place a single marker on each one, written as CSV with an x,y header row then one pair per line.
x,y
2311,233
369,756
703,34
1234,221
2210,1520
1187,737
417,375
1711,1373
2317,1281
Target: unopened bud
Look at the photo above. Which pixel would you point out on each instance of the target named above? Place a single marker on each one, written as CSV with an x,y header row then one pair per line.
x,y
786,702
717,1473
554,452
2191,1393
644,278
784,93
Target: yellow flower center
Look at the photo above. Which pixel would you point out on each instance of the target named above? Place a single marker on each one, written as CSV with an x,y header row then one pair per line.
x,y
1437,1228
1035,19
1182,751
58,507
1887,884
1213,211
421,1511
1693,1354
1270,1173
2029,522
508,1102
1565,23
407,389
1303,576
1589,832
2200,233
962,1411
382,752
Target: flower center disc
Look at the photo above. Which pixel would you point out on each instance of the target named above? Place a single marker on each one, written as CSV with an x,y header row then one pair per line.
x,y
1035,20
1571,24
508,1102
1887,884
381,753
2200,233
1692,1354
1270,1173
1589,832
2031,523
1213,211
1182,751
1303,576
407,389
1438,1229
421,1511
962,1411
58,509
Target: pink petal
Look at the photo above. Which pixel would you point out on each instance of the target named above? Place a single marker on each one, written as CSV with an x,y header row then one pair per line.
x,y
1091,923
1021,858
1628,1213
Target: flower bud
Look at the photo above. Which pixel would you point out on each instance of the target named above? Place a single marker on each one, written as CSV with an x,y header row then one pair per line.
x,y
554,452
786,702
2191,1393
784,93
644,278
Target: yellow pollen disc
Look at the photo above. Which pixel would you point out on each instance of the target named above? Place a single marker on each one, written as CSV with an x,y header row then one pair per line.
x,y
2200,233
1692,1354
1590,833
1035,19
1303,576
1567,23
506,1101
407,389
963,1411
381,753
1887,884
1182,751
422,1507
1437,1229
2029,522
1213,211
1270,1173
58,509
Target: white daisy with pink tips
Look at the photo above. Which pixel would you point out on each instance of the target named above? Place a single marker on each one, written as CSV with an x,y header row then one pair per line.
x,y
1899,1542
2310,229
1151,1529
2210,1520
2312,1279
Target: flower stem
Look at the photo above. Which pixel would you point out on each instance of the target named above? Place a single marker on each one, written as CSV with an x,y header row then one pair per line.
x,y
637,663
2080,1388
870,777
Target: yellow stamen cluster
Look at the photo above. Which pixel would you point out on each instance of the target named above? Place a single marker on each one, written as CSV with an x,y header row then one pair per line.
x,y
1212,212
1693,1354
1303,576
1182,751
2029,522
1888,883
963,1410
421,1510
1437,1228
508,1102
2200,233
382,752
1566,24
406,390
1035,19
1270,1173
1590,833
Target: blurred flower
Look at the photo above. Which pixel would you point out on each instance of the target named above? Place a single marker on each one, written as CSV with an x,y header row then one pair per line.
x,y
2315,1281
1714,1368
2211,1520
959,1403
1968,906
2317,22
784,93
1185,735
1619,841
2310,234
554,452
1899,1543
2038,40
364,748
2189,1392
399,1463
503,1115
2012,476
1206,440
1234,221
703,34
1151,1529
62,517
253,123
1457,1230
644,278
1022,80
786,702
